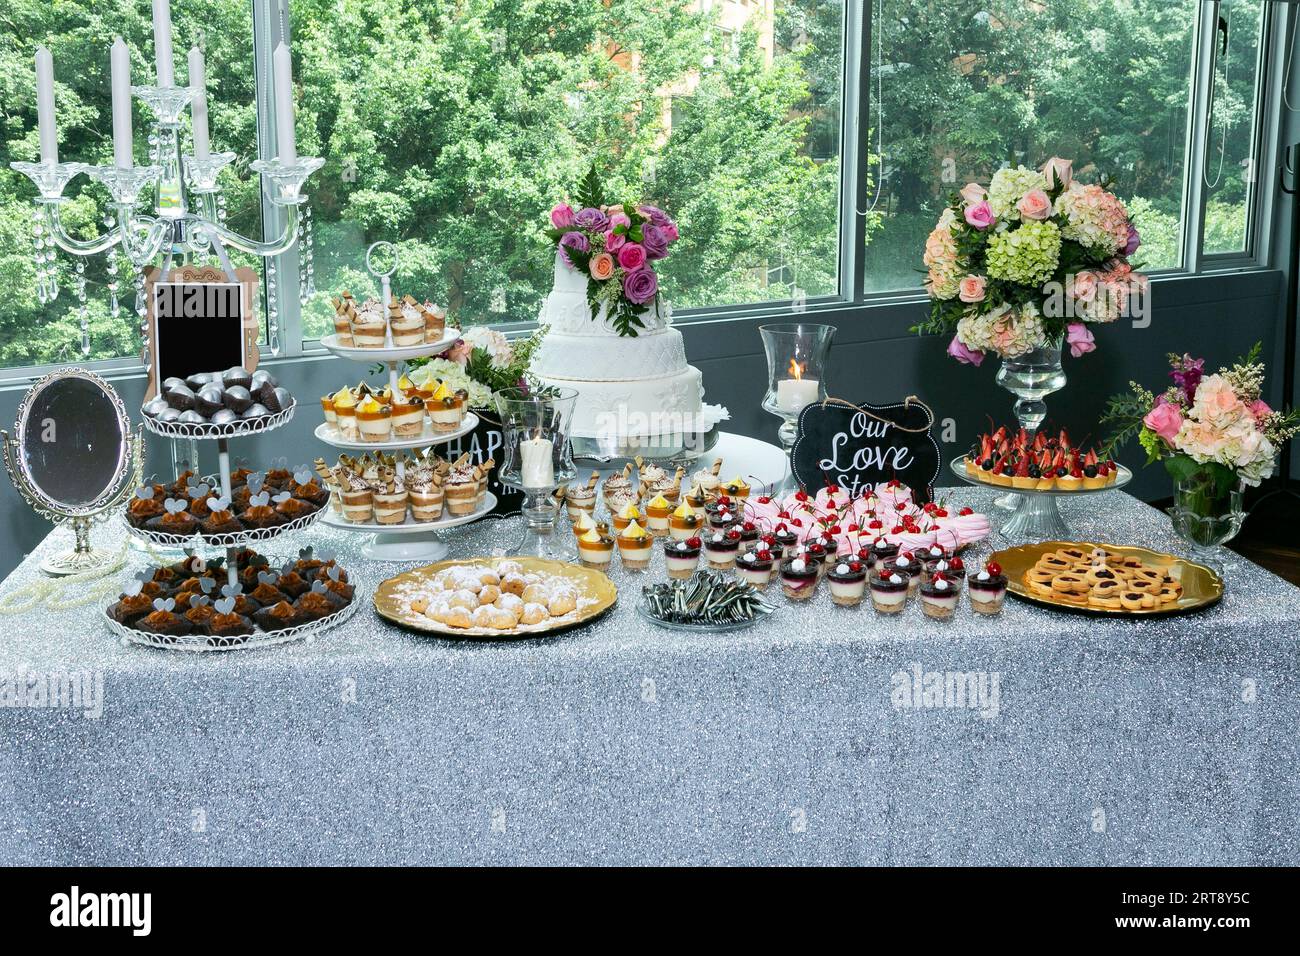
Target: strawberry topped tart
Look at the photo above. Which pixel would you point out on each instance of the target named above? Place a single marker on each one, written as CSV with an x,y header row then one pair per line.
x,y
1041,463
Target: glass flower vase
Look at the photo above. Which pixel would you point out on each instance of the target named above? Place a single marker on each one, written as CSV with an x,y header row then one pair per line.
x,y
796,377
1031,377
1206,514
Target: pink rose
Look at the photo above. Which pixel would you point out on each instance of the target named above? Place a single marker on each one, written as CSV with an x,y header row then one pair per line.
x,y
1034,205
971,288
458,353
1165,420
980,214
562,216
1058,171
614,241
670,231
631,256
1083,286
958,350
972,193
601,266
1080,339
1259,408
619,218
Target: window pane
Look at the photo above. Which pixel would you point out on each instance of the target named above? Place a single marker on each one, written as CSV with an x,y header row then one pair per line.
x,y
963,86
453,129
78,34
1230,147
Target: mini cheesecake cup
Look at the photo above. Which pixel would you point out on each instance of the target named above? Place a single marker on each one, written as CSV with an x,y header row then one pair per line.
x,y
847,587
679,529
635,552
939,602
786,540
911,570
327,404
680,559
596,554
798,584
345,420
888,596
721,555
882,552
657,520
987,595
754,570
955,576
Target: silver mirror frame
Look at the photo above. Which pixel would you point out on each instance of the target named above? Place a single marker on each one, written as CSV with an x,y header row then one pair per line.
x,y
126,476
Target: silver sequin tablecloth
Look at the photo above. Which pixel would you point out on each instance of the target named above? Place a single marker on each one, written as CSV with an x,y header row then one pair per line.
x,y
1170,742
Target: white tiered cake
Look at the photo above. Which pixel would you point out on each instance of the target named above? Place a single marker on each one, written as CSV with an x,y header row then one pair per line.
x,y
628,388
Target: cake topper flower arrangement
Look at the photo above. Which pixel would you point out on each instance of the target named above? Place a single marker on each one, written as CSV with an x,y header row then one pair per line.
x,y
1030,260
1215,428
616,247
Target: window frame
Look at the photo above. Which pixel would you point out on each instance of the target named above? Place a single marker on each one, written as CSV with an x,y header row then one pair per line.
x,y
271,24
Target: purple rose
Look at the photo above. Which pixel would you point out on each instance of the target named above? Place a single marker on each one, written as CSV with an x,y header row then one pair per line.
x,y
654,240
958,350
640,286
654,214
1134,240
573,240
593,220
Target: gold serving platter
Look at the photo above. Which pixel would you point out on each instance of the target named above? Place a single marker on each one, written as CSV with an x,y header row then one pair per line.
x,y
596,595
1202,588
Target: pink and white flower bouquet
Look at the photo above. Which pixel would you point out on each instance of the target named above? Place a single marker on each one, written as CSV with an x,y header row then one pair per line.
x,y
1214,428
616,246
1030,260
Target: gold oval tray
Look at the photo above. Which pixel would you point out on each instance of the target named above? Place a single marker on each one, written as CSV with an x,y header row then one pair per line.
x,y
592,585
1202,588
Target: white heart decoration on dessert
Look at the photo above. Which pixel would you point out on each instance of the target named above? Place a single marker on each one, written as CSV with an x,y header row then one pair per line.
x,y
144,492
334,573
225,605
163,604
255,482
302,475
318,587
257,501
218,504
132,588
304,554
198,491
231,590
206,585
198,600
267,577
282,497
174,506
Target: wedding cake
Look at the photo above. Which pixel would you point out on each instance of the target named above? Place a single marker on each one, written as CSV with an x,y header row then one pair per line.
x,y
629,388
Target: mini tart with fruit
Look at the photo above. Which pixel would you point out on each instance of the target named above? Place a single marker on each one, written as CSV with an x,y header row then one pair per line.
x,y
1041,463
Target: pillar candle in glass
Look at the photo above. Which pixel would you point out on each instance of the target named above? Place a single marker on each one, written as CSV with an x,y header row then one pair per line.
x,y
535,445
796,377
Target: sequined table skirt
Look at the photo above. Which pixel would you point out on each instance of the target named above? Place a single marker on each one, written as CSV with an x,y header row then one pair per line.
x,y
802,740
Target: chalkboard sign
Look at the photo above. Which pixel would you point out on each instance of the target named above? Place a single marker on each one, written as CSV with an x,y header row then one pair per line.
x,y
199,321
854,446
484,442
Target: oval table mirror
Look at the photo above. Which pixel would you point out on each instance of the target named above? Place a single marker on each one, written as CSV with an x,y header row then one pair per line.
x,y
74,458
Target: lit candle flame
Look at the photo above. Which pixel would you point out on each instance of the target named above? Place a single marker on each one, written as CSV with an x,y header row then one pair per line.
x,y
796,369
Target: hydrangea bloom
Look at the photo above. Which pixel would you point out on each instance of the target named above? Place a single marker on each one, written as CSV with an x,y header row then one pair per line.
x,y
1027,255
1006,330
942,260
1009,185
1094,218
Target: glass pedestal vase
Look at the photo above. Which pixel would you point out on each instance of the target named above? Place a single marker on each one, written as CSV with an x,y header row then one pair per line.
x,y
796,377
1031,377
1207,513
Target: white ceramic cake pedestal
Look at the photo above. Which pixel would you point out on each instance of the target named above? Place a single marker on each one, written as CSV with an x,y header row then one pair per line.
x,y
411,540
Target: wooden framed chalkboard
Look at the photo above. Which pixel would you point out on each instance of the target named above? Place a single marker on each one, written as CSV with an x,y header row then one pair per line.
x,y
853,446
199,321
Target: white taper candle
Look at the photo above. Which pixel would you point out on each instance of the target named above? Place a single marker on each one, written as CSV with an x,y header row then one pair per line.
x,y
198,103
162,42
45,105
283,69
120,61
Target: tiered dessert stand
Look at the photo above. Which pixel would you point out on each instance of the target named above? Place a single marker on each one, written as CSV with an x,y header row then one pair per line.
x,y
411,540
1036,516
231,542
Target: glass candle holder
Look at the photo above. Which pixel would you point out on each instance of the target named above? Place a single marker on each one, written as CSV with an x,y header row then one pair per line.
x,y
537,459
796,377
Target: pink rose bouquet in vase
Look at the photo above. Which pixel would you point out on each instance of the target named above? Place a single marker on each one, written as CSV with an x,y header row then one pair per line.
x,y
1216,436
1022,268
616,247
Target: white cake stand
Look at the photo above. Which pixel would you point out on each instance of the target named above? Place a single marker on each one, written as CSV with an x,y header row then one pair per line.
x,y
410,540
